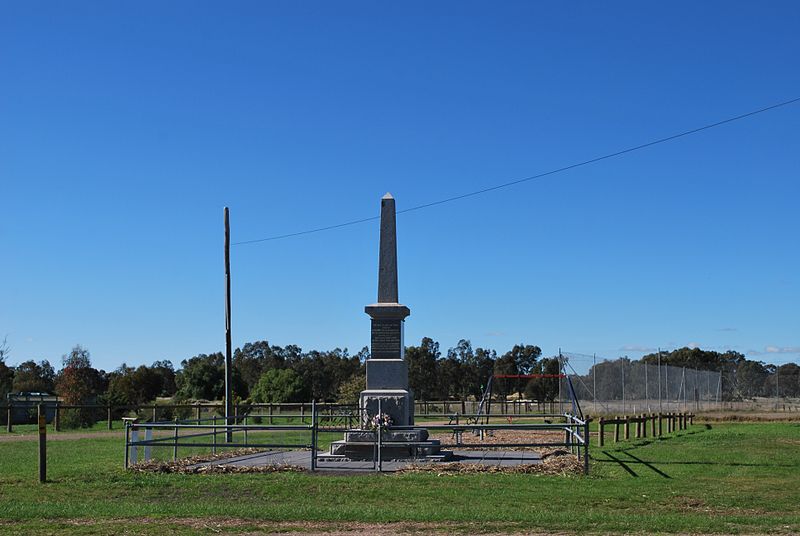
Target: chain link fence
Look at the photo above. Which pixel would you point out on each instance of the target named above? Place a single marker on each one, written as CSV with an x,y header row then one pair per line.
x,y
625,387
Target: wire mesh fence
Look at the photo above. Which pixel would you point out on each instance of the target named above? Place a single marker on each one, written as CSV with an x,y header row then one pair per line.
x,y
622,386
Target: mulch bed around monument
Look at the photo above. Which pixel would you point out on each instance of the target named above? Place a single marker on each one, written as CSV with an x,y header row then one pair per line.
x,y
473,442
558,463
192,465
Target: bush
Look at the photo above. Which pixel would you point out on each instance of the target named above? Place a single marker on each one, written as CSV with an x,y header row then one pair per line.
x,y
78,418
279,386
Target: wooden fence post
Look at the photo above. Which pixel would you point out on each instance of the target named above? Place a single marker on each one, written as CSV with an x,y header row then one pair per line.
x,y
56,418
660,422
108,413
197,412
616,429
601,431
42,443
10,414
627,427
270,412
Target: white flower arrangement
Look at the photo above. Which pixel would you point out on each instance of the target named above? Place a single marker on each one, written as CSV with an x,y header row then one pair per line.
x,y
381,420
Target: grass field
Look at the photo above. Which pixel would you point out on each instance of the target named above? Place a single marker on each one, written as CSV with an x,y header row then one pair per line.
x,y
727,478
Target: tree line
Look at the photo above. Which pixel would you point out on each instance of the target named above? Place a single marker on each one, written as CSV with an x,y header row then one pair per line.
x,y
270,373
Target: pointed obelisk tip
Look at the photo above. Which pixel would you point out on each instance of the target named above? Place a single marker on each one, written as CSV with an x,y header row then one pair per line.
x,y
387,267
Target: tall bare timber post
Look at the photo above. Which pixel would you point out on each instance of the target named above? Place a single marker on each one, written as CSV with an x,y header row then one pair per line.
x,y
42,443
228,363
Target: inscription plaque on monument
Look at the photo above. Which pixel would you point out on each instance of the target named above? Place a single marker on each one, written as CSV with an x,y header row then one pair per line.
x,y
387,339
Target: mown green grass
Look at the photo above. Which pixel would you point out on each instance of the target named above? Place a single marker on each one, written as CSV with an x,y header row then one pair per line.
x,y
731,478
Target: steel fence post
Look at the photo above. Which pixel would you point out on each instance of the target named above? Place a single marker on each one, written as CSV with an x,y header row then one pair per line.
x,y
126,444
175,443
313,438
214,433
134,456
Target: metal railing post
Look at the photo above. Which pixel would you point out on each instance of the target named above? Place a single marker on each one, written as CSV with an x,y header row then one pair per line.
x,y
126,445
379,433
175,443
134,457
313,436
148,436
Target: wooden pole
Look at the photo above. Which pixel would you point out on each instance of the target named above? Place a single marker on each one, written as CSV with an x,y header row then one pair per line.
x,y
42,443
228,358
601,431
110,422
10,415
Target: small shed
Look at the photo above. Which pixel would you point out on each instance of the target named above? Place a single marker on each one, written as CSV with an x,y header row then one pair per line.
x,y
24,406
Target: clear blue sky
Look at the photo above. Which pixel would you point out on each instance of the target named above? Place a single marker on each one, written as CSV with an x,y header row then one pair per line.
x,y
125,128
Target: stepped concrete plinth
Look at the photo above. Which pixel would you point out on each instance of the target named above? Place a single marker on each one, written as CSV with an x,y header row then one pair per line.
x,y
395,445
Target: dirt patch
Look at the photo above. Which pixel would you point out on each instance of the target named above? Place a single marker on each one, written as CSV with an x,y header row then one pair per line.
x,y
693,504
748,416
58,436
343,528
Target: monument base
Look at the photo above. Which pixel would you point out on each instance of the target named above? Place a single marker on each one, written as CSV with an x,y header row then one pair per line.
x,y
397,403
395,445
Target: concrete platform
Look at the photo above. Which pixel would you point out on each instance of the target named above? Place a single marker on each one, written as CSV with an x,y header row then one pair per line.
x,y
302,458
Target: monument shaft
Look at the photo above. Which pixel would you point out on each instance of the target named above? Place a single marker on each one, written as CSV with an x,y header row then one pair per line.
x,y
387,371
387,262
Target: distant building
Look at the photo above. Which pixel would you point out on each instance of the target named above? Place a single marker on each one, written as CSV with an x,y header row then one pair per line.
x,y
24,406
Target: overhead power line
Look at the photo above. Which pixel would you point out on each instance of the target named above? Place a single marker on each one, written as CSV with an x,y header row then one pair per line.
x,y
532,177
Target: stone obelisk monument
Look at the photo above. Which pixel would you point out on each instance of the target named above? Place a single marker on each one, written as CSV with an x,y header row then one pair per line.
x,y
387,371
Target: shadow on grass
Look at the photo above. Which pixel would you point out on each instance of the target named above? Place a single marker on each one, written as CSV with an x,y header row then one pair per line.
x,y
625,464
647,464
621,463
